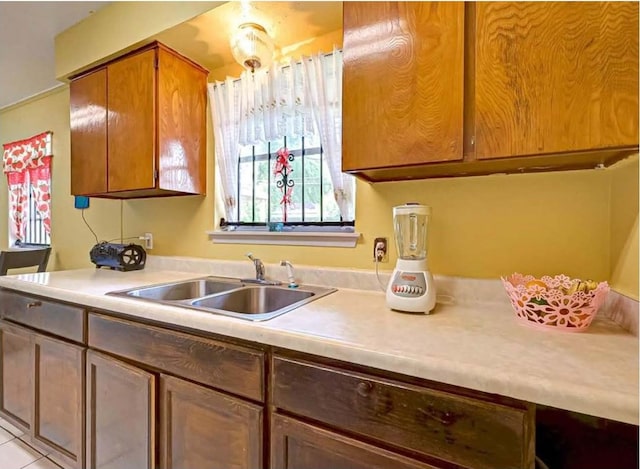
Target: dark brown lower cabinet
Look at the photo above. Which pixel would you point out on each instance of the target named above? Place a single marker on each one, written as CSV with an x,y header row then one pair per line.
x,y
59,399
205,429
120,414
16,394
43,391
297,445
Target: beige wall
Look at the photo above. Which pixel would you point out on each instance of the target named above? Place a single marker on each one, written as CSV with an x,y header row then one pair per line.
x,y
624,227
575,222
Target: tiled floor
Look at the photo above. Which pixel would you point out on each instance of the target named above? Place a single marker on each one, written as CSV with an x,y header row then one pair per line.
x,y
16,454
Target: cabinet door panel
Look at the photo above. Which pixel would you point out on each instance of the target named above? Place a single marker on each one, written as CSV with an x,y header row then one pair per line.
x,y
120,414
16,393
182,141
296,445
555,77
59,399
132,128
204,429
88,101
403,83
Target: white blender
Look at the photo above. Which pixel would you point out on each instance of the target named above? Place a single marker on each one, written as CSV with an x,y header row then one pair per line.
x,y
411,287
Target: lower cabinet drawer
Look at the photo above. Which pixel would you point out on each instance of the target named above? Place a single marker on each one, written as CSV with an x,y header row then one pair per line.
x,y
460,430
55,318
232,368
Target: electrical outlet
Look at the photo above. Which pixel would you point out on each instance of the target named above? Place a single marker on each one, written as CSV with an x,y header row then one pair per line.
x,y
380,248
148,240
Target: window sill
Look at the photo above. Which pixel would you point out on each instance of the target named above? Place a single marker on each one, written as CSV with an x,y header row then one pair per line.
x,y
300,238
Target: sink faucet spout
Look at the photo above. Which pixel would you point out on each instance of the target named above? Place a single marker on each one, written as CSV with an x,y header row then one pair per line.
x,y
292,279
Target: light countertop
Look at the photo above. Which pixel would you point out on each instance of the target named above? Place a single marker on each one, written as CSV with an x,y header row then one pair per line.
x,y
476,345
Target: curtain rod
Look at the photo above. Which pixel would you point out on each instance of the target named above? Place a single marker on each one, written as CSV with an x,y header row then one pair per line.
x,y
328,54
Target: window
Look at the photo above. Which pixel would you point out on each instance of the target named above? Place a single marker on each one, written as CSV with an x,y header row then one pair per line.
x,y
262,192
27,165
278,136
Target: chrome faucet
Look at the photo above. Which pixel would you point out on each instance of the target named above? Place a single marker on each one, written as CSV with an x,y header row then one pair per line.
x,y
257,263
259,267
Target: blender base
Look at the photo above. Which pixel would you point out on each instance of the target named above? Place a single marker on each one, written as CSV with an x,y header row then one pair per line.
x,y
411,291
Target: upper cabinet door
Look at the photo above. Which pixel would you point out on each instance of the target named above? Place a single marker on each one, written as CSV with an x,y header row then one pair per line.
x,y
88,121
182,124
555,77
131,121
403,83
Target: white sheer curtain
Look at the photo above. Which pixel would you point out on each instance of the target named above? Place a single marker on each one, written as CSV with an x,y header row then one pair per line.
x,y
226,112
323,87
302,99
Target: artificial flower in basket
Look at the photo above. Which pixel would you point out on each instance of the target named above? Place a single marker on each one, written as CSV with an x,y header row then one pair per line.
x,y
559,303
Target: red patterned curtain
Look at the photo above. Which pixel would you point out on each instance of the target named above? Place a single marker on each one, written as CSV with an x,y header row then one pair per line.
x,y
27,163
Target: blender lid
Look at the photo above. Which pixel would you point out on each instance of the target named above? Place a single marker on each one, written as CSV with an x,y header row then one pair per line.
x,y
412,207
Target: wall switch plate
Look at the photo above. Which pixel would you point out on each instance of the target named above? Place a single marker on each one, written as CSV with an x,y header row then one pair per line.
x,y
380,250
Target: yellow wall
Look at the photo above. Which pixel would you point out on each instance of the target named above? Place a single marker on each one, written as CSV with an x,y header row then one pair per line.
x,y
578,223
481,227
70,239
117,27
624,227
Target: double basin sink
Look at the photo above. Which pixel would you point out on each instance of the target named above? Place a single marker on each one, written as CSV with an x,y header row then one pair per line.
x,y
228,296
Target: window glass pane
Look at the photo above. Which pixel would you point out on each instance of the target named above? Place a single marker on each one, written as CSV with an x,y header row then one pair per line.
x,y
245,186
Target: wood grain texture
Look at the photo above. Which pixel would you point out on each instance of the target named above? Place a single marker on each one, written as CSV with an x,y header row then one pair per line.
x,y
239,370
88,122
182,140
58,403
53,317
402,83
296,445
16,370
131,122
120,414
555,77
204,429
456,429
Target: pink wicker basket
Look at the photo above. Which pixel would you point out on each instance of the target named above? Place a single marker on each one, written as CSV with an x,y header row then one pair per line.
x,y
558,303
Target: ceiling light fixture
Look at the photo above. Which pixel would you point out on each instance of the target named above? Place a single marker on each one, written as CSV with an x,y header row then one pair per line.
x,y
252,47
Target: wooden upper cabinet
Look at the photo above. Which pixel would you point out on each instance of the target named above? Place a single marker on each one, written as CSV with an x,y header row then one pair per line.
x,y
138,127
555,77
131,126
88,120
403,83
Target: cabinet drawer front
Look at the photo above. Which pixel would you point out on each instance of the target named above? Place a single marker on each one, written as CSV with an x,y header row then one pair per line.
x,y
52,317
229,367
458,429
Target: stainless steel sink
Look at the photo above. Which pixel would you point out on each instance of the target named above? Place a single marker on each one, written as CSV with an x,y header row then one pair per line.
x,y
186,290
228,296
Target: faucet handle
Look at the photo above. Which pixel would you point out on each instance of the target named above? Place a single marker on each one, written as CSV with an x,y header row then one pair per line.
x,y
250,256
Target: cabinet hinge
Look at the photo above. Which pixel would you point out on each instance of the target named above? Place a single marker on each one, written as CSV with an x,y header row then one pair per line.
x,y
155,175
473,140
155,62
